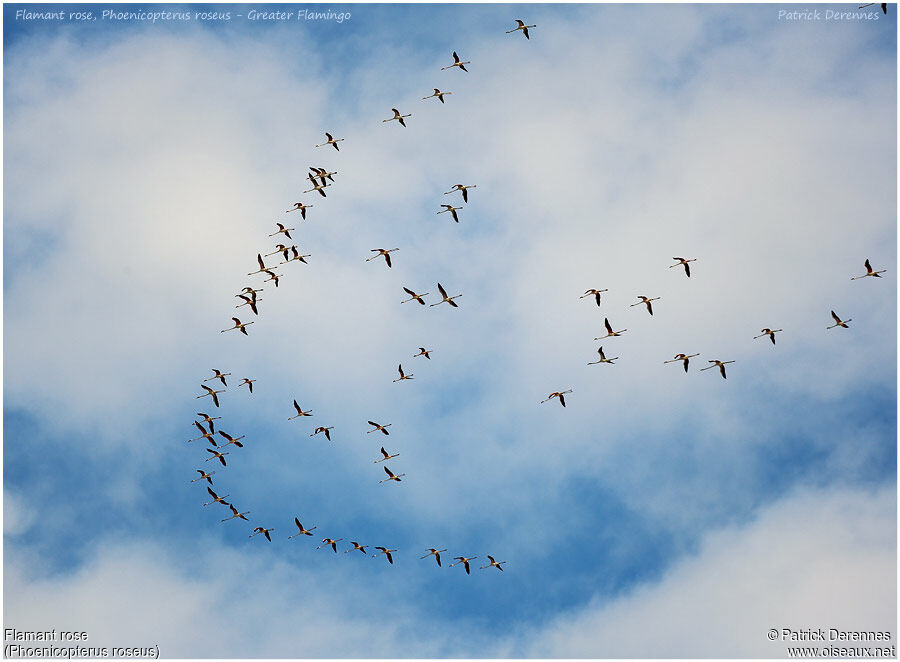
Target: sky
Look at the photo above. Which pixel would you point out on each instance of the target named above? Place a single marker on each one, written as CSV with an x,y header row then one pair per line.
x,y
659,514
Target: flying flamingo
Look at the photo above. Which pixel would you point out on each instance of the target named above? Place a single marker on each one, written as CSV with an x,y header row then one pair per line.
x,y
378,427
524,29
720,364
603,358
205,475
557,394
463,189
414,297
263,531
457,63
386,455
436,553
437,93
323,429
391,476
596,294
403,375
839,322
683,262
869,270
331,141
685,358
768,332
645,301
219,375
446,298
464,561
386,552
237,325
493,563
300,412
397,116
609,330
302,531
382,253
211,392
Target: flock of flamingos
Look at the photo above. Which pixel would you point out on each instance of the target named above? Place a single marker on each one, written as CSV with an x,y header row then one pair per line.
x,y
319,179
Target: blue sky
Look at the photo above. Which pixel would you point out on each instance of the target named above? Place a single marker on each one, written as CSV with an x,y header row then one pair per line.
x,y
145,166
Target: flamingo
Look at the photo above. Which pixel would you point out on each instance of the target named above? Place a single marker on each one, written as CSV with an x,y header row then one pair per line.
x,y
645,301
249,302
236,514
457,63
217,455
248,382
382,253
205,434
216,498
397,116
452,211
424,352
302,531
378,427
262,265
263,531
323,429
205,475
603,358
463,189
883,6
331,141
403,375
208,419
219,375
839,322
557,394
767,332
330,541
386,455
356,546
437,93
272,276
524,29
283,230
464,561
300,412
279,248
386,552
685,358
299,206
683,262
493,563
296,256
232,440
391,476
211,392
415,297
237,325
869,272
596,294
446,298
321,174
719,363
436,553
609,330
316,186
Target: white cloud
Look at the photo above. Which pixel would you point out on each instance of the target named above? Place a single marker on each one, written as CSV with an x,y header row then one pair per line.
x,y
222,603
817,559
